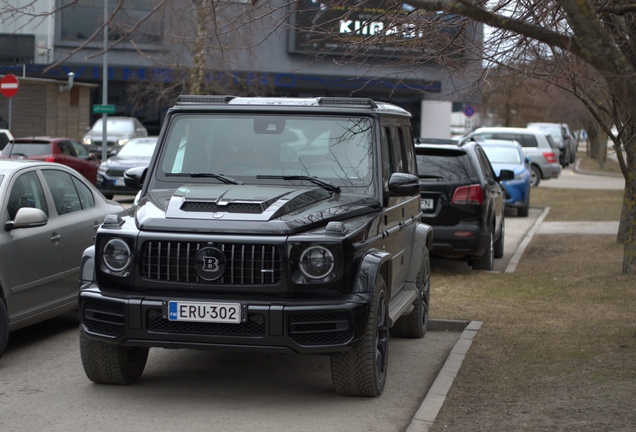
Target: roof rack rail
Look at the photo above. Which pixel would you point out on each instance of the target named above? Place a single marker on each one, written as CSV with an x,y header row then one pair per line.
x,y
361,102
184,99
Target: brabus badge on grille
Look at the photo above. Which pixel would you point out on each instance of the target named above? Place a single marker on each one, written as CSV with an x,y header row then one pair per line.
x,y
218,215
210,263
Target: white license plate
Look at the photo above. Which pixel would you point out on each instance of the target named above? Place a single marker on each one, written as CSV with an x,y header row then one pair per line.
x,y
120,181
427,204
204,312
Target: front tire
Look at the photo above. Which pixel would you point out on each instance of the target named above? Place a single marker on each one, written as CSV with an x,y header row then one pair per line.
x,y
4,327
111,364
414,324
361,371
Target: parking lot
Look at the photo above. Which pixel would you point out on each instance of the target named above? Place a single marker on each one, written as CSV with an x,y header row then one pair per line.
x,y
44,386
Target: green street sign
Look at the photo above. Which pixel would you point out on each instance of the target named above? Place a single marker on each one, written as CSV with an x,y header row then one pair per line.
x,y
103,109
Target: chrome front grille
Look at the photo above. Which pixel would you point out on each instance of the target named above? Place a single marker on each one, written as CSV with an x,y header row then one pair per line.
x,y
246,264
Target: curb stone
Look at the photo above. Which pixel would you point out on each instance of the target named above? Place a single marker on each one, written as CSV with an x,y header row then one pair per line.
x,y
596,173
425,416
516,257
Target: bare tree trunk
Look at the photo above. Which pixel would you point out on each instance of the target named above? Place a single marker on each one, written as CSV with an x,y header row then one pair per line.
x,y
197,73
628,225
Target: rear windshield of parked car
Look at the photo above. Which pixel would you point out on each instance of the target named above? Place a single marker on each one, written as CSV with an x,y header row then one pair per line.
x,y
27,149
448,167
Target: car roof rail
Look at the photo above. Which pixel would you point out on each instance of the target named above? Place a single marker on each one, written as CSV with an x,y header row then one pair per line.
x,y
359,102
203,99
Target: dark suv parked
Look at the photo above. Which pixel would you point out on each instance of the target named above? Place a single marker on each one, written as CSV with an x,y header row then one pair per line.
x,y
463,201
269,224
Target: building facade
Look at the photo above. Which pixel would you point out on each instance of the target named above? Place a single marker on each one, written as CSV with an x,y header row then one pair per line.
x,y
309,49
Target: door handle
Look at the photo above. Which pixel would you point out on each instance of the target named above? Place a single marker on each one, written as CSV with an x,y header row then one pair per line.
x,y
96,224
55,237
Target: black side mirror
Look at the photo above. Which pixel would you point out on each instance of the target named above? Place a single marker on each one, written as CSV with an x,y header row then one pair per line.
x,y
134,177
506,175
402,184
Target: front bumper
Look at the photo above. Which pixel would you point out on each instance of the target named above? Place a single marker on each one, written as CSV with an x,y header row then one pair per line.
x,y
107,184
299,326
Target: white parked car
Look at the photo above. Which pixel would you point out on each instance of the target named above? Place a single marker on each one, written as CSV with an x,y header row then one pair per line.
x,y
119,130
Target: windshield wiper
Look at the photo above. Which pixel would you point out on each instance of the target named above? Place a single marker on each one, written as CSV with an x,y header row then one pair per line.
x,y
315,180
220,177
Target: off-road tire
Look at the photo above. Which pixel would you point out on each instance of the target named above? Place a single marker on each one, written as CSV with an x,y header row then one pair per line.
x,y
498,247
111,364
361,371
414,324
486,261
4,327
535,176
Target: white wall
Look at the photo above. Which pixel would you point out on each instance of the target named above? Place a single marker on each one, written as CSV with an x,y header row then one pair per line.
x,y
436,119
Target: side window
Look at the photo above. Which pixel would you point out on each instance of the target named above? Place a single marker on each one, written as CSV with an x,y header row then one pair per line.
x,y
396,151
386,156
80,150
26,192
527,140
64,194
485,164
86,196
66,148
409,150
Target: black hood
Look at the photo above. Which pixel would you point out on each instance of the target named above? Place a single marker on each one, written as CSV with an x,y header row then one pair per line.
x,y
241,209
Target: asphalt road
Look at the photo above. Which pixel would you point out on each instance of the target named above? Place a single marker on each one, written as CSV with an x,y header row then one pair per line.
x,y
43,387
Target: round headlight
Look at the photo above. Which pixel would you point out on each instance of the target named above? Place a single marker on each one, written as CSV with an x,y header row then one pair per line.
x,y
116,255
88,141
316,262
121,142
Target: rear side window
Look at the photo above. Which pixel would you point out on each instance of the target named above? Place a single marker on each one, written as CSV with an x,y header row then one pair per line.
x,y
27,149
450,166
527,140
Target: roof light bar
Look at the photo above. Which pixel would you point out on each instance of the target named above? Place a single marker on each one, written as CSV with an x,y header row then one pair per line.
x,y
203,99
366,102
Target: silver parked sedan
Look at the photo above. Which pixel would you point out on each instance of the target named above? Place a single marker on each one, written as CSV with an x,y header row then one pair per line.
x,y
49,214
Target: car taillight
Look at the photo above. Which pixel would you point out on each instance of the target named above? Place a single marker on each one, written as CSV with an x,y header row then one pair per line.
x,y
49,159
550,157
468,195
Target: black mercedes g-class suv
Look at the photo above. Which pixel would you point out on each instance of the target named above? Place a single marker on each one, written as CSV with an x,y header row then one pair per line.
x,y
272,224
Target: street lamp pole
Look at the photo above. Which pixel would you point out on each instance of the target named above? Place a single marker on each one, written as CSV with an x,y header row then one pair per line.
x,y
105,84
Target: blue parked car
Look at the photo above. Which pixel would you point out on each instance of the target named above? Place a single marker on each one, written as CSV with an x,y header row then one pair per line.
x,y
509,155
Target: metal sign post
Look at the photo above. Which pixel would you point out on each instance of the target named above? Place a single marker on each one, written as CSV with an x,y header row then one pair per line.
x,y
105,85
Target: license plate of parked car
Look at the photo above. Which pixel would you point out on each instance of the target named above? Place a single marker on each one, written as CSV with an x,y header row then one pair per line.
x,y
204,312
427,204
120,182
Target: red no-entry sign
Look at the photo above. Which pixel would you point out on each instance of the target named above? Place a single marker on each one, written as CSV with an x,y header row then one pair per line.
x,y
9,86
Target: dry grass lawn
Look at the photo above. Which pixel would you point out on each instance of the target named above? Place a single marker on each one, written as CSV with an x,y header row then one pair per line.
x,y
557,349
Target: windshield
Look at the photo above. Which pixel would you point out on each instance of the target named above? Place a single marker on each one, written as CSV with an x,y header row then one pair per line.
x,y
142,148
115,125
243,146
503,155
